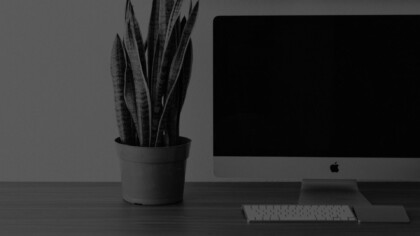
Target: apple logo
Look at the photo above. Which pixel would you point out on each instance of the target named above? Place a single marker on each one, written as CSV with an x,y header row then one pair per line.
x,y
334,167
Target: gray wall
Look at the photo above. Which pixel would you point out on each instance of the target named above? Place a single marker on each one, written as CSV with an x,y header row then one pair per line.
x,y
57,121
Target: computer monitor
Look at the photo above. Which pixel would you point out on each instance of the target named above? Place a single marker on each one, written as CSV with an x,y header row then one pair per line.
x,y
317,97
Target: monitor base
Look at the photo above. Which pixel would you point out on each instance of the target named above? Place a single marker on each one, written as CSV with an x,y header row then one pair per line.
x,y
331,192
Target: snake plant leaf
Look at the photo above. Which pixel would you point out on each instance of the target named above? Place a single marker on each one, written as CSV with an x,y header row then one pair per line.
x,y
168,57
179,56
161,86
162,28
130,16
171,124
170,51
185,75
182,25
118,66
161,91
177,62
158,51
155,104
169,6
130,100
190,9
142,96
171,121
157,79
130,96
152,39
176,11
168,132
117,59
165,33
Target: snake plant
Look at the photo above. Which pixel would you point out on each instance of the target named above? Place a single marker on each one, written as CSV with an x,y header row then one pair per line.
x,y
151,77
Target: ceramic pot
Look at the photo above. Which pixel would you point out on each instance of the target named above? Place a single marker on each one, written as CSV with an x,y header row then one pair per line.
x,y
153,175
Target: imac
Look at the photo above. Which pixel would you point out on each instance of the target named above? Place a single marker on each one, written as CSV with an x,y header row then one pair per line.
x,y
327,100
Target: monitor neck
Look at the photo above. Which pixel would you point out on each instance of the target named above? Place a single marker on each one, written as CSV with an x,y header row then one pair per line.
x,y
331,192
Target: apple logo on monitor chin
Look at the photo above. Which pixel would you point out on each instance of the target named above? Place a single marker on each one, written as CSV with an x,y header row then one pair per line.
x,y
334,167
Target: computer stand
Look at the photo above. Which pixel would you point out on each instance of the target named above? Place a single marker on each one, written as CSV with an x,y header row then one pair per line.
x,y
331,192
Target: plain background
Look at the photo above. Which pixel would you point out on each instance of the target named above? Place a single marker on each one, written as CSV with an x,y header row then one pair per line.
x,y
57,120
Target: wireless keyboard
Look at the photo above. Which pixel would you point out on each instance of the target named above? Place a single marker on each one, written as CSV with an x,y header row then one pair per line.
x,y
304,213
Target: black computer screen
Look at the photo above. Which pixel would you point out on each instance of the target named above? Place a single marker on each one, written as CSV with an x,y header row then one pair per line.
x,y
317,86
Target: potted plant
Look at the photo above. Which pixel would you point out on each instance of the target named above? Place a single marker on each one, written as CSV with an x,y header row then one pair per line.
x,y
150,81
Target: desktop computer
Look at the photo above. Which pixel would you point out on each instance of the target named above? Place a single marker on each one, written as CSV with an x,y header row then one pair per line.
x,y
328,100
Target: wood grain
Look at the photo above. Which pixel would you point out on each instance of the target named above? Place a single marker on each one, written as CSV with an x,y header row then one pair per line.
x,y
208,209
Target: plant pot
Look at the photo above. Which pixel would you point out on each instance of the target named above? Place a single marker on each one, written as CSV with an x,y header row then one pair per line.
x,y
153,175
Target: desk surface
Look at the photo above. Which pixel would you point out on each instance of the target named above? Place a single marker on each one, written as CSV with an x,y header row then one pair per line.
x,y
208,208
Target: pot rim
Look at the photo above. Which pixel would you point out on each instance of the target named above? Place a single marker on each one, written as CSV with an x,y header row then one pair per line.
x,y
183,141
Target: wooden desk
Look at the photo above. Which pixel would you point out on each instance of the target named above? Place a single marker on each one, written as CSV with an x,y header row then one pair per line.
x,y
208,208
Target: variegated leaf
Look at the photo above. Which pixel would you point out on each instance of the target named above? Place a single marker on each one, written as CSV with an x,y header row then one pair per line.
x,y
185,75
169,6
190,9
130,16
130,96
142,95
171,123
161,89
123,116
152,39
175,13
